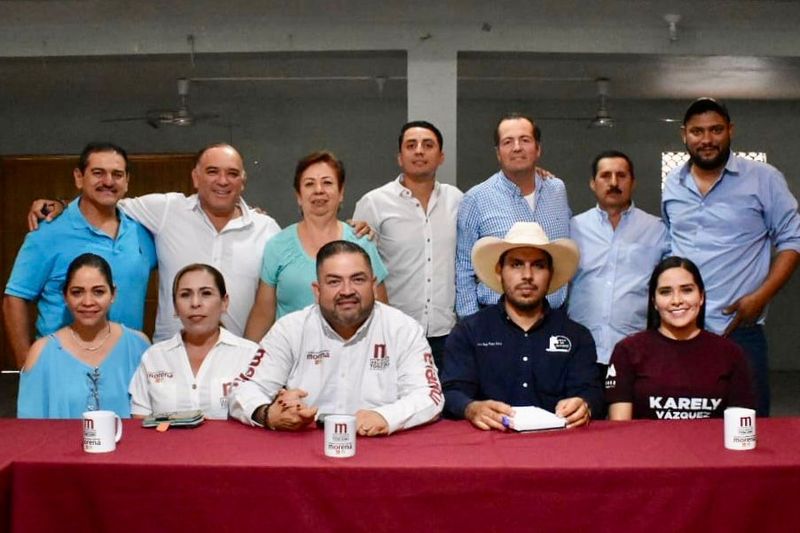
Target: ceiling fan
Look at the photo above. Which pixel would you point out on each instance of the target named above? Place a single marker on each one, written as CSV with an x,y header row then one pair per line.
x,y
602,117
181,116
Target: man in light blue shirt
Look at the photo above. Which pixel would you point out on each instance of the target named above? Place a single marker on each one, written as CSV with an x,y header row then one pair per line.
x,y
91,223
726,213
515,194
620,245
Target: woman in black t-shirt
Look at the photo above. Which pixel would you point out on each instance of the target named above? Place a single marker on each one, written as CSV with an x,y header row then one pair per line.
x,y
676,369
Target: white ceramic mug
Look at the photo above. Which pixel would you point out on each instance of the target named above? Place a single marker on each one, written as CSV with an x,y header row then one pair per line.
x,y
340,435
102,430
740,428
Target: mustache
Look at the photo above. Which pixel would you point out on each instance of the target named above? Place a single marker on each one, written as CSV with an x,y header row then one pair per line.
x,y
350,298
614,190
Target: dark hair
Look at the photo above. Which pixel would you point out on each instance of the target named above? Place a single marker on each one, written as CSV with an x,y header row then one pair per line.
x,y
208,147
341,247
219,279
653,318
704,105
320,156
611,154
420,124
537,133
502,259
91,261
97,147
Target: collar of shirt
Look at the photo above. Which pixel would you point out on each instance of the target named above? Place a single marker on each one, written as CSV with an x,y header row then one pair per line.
x,y
75,215
193,204
732,167
360,333
501,306
225,337
404,192
603,215
512,188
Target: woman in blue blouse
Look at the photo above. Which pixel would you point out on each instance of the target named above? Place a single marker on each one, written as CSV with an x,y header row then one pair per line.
x,y
88,364
289,263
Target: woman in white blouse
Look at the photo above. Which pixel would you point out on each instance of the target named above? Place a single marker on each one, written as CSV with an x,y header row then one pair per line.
x,y
194,369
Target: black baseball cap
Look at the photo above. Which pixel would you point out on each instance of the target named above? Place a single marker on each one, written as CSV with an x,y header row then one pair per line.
x,y
703,105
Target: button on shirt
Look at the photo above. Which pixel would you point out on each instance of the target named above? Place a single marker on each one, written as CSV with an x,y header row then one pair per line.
x,y
184,235
418,248
729,232
165,383
490,209
386,367
608,294
489,357
40,269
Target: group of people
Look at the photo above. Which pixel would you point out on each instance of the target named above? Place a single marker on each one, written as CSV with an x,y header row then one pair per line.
x,y
487,300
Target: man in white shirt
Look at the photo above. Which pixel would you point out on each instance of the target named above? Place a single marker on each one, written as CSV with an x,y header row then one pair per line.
x,y
415,219
620,245
347,354
214,226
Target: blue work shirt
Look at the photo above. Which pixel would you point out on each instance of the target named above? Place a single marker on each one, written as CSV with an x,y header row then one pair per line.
x,y
729,232
490,209
40,269
489,357
608,294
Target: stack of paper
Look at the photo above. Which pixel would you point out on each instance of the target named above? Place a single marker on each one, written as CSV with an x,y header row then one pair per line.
x,y
530,418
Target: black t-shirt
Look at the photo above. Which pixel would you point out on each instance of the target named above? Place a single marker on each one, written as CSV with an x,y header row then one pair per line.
x,y
668,379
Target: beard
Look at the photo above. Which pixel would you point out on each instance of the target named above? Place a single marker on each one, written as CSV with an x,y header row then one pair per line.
x,y
710,164
524,304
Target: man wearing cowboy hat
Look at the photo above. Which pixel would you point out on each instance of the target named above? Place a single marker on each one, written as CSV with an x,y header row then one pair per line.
x,y
520,352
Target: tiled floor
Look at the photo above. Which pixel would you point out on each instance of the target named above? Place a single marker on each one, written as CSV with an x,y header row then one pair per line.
x,y
785,394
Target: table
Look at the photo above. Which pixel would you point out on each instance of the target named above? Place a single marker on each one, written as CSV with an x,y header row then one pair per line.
x,y
224,476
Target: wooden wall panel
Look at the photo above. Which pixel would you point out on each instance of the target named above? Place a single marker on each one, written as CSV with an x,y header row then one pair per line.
x,y
25,178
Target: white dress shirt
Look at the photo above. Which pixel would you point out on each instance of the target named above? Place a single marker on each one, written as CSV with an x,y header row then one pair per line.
x,y
184,234
164,382
386,367
419,250
608,294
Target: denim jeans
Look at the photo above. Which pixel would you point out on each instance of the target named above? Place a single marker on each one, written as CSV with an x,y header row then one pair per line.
x,y
754,343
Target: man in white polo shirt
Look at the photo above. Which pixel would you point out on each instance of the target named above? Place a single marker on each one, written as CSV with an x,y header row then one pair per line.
x,y
415,219
214,226
347,354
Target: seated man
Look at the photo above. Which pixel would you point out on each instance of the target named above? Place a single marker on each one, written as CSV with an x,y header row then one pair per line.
x,y
346,354
519,351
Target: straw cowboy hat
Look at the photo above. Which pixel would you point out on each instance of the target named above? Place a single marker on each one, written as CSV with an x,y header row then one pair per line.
x,y
487,251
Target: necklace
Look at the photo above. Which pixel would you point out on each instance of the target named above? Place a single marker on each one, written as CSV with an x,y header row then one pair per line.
x,y
88,346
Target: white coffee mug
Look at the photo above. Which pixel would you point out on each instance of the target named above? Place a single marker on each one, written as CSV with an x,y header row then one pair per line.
x,y
340,435
102,430
740,428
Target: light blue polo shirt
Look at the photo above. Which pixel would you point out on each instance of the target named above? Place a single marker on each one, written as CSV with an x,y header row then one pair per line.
x,y
41,267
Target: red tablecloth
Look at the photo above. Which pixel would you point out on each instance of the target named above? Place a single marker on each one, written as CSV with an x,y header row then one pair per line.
x,y
223,476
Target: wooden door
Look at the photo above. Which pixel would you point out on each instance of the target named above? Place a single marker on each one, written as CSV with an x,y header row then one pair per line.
x,y
26,178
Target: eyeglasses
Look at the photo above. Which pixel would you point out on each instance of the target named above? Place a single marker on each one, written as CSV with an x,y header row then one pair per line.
x,y
93,400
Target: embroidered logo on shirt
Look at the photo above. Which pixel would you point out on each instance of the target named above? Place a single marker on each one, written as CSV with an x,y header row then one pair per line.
x,y
489,344
611,377
317,357
559,343
159,376
379,361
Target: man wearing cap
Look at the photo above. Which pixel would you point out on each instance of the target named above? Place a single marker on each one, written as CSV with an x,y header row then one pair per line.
x,y
517,193
620,245
520,352
726,213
